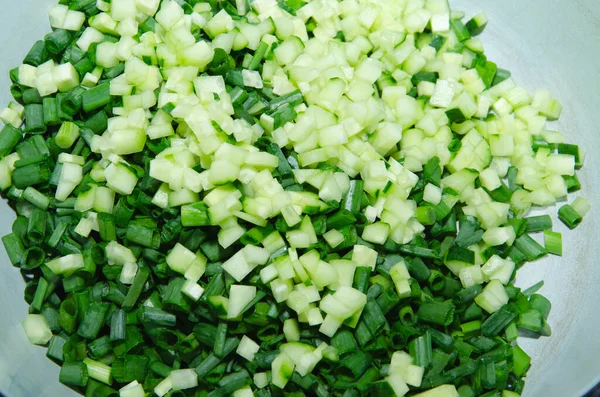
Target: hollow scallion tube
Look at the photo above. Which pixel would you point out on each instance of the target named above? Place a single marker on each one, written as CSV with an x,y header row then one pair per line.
x,y
9,137
553,242
93,320
441,313
14,248
96,97
74,374
57,41
569,216
538,223
34,119
37,55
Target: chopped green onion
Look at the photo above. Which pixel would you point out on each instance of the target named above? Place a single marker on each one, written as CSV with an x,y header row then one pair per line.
x,y
441,313
118,325
539,223
274,202
569,216
93,320
98,371
96,97
14,248
34,119
57,41
553,242
37,55
529,247
9,137
74,374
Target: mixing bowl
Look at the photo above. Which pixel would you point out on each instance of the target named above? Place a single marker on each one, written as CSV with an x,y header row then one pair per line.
x,y
545,43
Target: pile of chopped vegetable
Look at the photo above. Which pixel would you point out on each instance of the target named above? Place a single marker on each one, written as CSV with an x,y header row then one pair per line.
x,y
279,199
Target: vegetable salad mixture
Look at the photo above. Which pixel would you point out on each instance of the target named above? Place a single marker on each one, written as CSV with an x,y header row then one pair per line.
x,y
262,198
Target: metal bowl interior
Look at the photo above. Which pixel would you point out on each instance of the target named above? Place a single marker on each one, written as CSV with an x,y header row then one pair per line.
x,y
545,43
